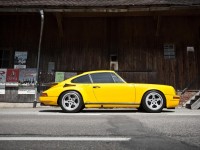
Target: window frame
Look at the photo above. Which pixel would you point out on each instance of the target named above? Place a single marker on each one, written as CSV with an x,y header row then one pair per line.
x,y
122,81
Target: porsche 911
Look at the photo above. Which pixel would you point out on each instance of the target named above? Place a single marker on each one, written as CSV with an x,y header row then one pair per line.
x,y
106,89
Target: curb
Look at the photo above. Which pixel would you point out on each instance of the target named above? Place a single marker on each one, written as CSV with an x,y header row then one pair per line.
x,y
19,105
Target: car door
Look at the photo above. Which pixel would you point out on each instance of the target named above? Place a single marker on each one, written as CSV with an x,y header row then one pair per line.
x,y
108,88
84,85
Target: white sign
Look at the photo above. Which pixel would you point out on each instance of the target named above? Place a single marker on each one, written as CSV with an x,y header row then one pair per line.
x,y
3,75
2,80
26,91
20,59
2,91
19,66
11,84
190,49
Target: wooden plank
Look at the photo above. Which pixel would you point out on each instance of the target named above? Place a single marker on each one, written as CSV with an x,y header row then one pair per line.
x,y
158,26
59,22
88,42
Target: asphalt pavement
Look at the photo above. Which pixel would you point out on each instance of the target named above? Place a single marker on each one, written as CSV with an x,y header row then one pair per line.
x,y
24,127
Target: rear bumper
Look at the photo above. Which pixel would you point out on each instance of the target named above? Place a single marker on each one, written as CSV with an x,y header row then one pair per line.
x,y
52,101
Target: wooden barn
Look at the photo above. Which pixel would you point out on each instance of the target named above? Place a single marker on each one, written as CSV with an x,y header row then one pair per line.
x,y
148,41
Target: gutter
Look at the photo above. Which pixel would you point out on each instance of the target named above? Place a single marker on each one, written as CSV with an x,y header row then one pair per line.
x,y
38,58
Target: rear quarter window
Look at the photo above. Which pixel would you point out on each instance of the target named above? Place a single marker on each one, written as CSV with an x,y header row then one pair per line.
x,y
82,79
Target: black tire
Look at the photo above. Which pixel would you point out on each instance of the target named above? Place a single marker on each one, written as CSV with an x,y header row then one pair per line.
x,y
153,101
141,109
71,102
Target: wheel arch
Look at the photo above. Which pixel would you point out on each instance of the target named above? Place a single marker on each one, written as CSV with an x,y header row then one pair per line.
x,y
160,92
58,100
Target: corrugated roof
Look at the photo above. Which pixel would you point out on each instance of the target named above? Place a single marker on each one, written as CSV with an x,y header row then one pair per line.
x,y
94,3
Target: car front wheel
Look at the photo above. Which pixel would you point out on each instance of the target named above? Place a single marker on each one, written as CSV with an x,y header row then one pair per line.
x,y
153,102
71,101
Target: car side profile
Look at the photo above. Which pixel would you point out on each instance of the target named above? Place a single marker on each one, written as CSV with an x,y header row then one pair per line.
x,y
106,89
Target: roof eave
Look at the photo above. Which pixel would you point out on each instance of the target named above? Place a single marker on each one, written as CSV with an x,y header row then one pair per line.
x,y
100,9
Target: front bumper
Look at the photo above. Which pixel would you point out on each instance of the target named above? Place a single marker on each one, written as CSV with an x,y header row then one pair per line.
x,y
172,101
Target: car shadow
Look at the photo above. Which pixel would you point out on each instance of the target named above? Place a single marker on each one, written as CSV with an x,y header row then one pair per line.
x,y
84,111
51,111
109,111
119,111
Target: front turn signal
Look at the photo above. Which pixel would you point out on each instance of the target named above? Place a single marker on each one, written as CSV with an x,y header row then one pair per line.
x,y
176,97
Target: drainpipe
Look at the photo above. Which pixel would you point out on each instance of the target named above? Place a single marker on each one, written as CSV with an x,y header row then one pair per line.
x,y
38,58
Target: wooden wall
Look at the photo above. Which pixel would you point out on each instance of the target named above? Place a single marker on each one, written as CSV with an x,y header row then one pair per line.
x,y
87,42
20,32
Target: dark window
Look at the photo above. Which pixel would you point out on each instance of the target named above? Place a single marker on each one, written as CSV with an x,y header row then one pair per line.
x,y
102,78
5,58
82,79
117,79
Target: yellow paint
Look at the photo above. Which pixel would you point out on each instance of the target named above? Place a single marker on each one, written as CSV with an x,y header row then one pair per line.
x,y
128,94
114,92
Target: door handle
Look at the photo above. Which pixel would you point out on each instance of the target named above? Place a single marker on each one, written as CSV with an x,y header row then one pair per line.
x,y
95,87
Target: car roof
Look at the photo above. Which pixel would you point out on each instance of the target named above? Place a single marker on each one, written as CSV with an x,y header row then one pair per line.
x,y
97,71
90,72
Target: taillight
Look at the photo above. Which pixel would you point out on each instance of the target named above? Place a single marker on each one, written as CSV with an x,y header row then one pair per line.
x,y
44,94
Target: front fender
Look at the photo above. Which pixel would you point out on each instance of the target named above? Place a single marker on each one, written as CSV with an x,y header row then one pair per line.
x,y
141,89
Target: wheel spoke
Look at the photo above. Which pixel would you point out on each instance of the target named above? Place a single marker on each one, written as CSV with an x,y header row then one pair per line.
x,y
66,102
70,105
70,101
151,105
154,101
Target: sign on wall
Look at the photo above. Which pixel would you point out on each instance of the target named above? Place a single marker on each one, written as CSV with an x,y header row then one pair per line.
x,y
20,59
51,67
27,81
113,62
12,77
2,80
169,51
59,76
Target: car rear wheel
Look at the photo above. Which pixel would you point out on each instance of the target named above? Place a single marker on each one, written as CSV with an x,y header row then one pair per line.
x,y
153,101
71,101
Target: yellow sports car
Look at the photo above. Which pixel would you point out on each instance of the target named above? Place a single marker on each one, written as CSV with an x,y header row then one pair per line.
x,y
106,89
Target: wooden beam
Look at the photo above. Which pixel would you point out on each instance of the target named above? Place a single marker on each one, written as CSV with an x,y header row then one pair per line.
x,y
158,26
59,22
106,9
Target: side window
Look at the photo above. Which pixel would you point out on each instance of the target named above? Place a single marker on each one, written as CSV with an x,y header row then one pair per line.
x,y
82,79
102,78
116,78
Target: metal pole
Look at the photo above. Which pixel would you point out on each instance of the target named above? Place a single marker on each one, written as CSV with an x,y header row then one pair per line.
x,y
38,59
